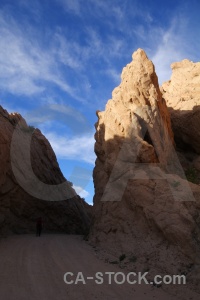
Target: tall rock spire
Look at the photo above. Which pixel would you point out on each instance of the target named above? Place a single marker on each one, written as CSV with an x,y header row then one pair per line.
x,y
141,195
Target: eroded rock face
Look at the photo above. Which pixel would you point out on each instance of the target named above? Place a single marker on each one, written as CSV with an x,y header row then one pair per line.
x,y
141,205
182,95
137,110
19,208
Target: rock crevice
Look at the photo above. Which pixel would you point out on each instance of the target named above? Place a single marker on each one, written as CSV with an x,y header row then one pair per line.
x,y
143,201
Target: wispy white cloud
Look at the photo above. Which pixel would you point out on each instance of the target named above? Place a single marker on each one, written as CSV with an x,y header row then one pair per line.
x,y
114,74
67,51
59,115
26,67
172,47
29,67
81,192
72,62
13,108
140,32
109,12
80,148
33,7
71,5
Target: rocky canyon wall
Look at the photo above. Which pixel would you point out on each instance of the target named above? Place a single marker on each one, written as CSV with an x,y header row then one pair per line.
x,y
20,202
182,95
143,204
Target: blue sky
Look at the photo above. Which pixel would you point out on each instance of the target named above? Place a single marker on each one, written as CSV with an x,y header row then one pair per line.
x,y
61,59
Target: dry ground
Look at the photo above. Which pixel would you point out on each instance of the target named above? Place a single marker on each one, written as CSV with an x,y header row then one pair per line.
x,y
33,268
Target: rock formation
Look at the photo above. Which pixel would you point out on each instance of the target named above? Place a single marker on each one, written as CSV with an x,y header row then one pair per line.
x,y
20,207
143,204
182,95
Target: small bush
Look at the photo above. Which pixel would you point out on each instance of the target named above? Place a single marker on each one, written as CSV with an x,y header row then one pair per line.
x,y
133,259
122,257
175,184
114,262
31,128
191,175
147,269
28,129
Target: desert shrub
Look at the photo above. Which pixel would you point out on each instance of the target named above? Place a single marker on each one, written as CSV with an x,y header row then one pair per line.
x,y
122,257
114,262
28,129
175,183
133,258
31,128
191,175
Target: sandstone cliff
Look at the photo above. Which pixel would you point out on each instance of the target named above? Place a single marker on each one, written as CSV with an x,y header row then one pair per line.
x,y
143,204
28,188
182,95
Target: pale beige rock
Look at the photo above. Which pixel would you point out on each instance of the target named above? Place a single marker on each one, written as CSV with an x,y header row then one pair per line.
x,y
19,209
152,215
182,95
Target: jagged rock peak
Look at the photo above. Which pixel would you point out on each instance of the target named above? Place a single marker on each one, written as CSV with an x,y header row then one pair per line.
x,y
136,211
137,108
140,54
140,72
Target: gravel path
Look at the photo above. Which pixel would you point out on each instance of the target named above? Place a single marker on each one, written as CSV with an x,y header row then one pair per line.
x,y
32,268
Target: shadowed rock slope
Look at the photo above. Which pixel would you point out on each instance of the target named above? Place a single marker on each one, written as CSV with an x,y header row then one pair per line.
x,y
182,95
144,207
21,204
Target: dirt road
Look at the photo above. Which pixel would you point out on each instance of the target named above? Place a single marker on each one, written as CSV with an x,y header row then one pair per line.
x,y
33,268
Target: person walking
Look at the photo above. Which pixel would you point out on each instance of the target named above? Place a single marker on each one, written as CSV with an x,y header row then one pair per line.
x,y
39,226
